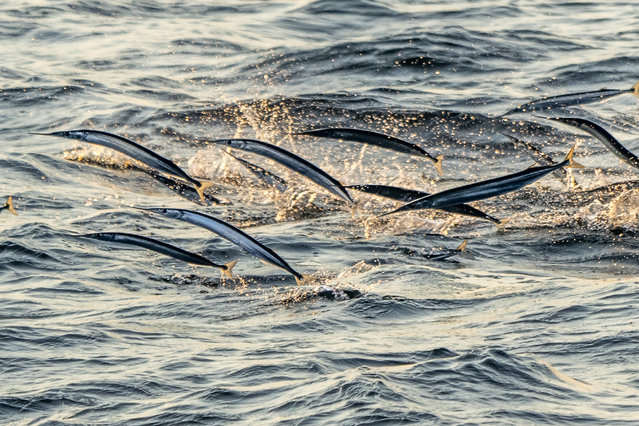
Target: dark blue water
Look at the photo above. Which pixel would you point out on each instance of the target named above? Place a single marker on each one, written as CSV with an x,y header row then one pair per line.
x,y
535,324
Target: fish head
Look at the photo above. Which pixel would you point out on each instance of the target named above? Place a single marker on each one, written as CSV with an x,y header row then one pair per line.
x,y
71,134
232,143
170,213
99,236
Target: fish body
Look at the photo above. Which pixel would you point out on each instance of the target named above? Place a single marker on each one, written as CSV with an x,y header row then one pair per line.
x,y
231,233
393,192
408,195
603,135
160,247
571,99
374,138
488,188
133,150
9,206
289,160
264,175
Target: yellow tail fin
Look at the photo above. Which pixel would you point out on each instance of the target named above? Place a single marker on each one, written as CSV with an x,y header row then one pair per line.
x,y
462,246
636,89
438,164
227,271
204,184
572,164
501,225
9,205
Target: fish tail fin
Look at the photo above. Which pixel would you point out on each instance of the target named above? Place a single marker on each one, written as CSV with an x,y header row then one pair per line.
x,y
227,271
462,246
635,89
302,279
204,184
571,163
438,164
10,206
501,224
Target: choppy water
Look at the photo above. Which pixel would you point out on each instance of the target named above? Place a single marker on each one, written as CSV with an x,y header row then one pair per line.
x,y
535,324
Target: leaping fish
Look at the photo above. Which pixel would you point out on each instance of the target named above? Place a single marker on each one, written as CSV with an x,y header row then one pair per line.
x,y
408,195
262,174
603,135
133,150
290,160
487,188
161,247
231,233
9,206
572,99
377,139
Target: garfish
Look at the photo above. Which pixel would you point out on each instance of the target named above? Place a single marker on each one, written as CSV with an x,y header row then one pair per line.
x,y
290,160
408,195
9,206
487,188
133,150
161,247
603,135
262,174
572,99
374,138
229,232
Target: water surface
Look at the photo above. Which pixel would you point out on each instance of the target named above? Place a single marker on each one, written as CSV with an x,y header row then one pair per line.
x,y
536,324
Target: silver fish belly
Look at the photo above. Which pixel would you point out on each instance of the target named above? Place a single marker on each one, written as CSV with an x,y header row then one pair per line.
x,y
603,135
289,160
229,232
159,247
568,100
488,188
133,150
408,195
374,138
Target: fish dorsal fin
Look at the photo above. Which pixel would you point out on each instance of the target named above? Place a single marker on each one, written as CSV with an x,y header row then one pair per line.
x,y
635,89
462,246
